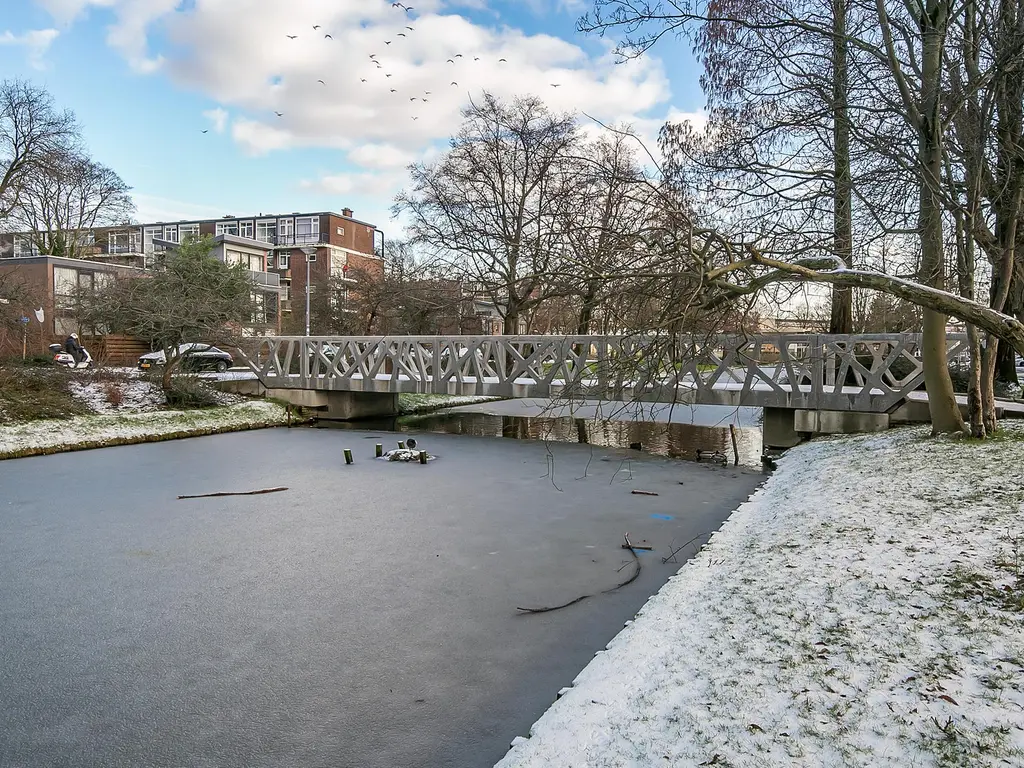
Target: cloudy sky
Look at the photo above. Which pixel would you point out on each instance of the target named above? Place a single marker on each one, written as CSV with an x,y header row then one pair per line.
x,y
214,107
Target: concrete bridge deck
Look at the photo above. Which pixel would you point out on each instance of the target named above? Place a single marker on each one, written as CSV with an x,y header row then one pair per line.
x,y
863,379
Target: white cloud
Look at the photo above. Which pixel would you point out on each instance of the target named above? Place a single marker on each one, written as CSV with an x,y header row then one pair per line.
x,y
218,117
36,43
258,138
380,156
238,53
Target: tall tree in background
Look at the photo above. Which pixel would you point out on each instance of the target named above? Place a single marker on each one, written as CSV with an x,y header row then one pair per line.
x,y
493,206
31,130
68,195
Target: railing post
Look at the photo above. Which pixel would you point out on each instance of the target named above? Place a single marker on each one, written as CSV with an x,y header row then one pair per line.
x,y
304,359
817,372
435,377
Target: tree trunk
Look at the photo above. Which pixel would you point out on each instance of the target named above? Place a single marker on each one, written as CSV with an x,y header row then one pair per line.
x,y
945,413
841,320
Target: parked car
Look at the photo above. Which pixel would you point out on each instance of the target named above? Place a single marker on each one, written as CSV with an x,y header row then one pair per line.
x,y
194,357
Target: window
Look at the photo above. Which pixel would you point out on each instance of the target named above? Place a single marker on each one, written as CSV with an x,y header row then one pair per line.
x,y
227,228
286,291
171,233
339,264
23,246
341,231
266,231
251,261
147,238
246,229
85,239
307,229
286,231
270,260
283,260
117,242
188,231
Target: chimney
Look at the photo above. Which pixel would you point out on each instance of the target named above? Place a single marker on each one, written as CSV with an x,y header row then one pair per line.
x,y
346,212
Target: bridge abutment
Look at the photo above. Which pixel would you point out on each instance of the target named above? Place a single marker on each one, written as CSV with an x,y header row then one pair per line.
x,y
778,429
787,427
350,406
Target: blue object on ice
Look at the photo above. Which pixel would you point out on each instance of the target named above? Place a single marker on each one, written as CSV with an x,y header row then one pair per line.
x,y
662,517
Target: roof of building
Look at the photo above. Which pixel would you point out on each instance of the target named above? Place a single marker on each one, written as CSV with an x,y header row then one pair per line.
x,y
258,217
62,261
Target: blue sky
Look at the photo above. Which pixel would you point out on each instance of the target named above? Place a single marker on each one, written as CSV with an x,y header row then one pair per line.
x,y
146,77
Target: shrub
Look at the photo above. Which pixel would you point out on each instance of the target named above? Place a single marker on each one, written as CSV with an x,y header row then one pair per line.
x,y
191,392
33,393
114,393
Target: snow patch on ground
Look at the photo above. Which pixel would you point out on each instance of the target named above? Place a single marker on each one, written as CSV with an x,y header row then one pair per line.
x,y
65,434
864,608
134,394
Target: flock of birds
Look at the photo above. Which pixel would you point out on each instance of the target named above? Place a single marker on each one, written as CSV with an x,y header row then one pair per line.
x,y
374,57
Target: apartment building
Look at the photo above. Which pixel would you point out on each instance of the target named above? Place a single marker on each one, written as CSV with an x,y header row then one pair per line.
x,y
338,245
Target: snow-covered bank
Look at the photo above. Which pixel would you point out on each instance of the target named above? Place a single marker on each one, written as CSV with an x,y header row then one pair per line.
x,y
55,435
864,608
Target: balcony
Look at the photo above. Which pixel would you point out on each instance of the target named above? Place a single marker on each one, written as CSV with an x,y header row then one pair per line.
x,y
298,241
266,281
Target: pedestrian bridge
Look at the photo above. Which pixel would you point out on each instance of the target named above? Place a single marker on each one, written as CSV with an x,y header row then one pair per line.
x,y
871,374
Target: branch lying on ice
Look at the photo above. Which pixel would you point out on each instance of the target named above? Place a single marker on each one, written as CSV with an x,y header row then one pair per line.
x,y
636,572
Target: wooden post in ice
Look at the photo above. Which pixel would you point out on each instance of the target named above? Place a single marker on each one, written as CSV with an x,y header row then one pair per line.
x,y
348,455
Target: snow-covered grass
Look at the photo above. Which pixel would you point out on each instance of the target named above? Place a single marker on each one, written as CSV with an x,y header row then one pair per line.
x,y
864,608
56,435
422,403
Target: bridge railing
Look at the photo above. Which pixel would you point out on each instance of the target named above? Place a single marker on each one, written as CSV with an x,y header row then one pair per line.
x,y
815,371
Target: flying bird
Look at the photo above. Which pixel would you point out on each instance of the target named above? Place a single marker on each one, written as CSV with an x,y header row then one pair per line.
x,y
412,98
426,93
402,34
328,37
316,26
362,79
415,118
386,75
206,131
279,114
387,42
423,100
291,37
397,5
321,82
373,55
500,60
476,58
458,55
555,85
454,83
394,90
410,29
451,61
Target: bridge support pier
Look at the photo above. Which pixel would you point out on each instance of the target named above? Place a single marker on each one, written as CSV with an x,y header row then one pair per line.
x,y
778,429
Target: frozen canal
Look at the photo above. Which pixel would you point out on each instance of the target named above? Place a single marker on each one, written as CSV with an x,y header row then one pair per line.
x,y
365,617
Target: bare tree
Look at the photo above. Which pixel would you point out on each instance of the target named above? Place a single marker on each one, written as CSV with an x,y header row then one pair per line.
x,y
31,130
492,207
189,297
66,197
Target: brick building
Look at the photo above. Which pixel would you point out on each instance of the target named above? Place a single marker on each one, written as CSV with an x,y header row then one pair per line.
x,y
340,245
50,283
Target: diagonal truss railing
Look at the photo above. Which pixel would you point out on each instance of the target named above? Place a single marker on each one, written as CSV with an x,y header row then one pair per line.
x,y
813,371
